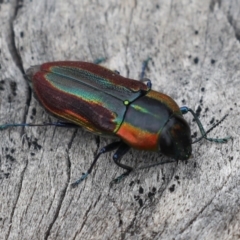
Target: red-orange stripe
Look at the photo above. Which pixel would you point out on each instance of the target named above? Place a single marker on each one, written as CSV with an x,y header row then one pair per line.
x,y
137,138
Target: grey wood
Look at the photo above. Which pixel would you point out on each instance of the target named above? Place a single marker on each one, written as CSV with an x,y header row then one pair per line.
x,y
194,46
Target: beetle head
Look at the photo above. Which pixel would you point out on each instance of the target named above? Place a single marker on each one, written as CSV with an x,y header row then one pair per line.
x,y
175,139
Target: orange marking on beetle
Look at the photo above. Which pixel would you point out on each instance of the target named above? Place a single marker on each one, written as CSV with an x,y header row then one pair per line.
x,y
138,139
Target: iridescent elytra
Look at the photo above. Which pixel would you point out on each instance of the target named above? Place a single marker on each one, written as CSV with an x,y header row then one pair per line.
x,y
108,104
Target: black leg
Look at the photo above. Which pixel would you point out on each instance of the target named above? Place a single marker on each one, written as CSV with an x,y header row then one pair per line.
x,y
122,150
157,163
108,148
144,67
63,124
142,78
55,124
99,60
97,138
149,83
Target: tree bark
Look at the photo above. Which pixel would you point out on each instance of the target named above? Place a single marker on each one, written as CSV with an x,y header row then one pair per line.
x,y
194,50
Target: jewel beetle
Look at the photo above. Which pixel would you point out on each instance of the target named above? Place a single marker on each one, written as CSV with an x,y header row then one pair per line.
x,y
108,104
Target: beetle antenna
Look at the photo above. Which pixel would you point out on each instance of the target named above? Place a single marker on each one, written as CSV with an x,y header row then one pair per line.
x,y
204,133
218,140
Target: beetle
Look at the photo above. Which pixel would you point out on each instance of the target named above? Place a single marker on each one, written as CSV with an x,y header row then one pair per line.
x,y
108,104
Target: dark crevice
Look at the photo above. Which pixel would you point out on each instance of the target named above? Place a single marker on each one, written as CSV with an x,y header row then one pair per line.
x,y
213,3
63,194
15,204
127,37
69,165
206,205
16,57
59,205
233,24
83,223
18,61
231,20
72,138
13,49
132,227
199,213
26,110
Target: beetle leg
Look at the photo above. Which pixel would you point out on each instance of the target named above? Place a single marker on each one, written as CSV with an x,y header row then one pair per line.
x,y
144,79
106,149
149,83
122,150
99,60
56,124
157,163
97,138
144,66
62,124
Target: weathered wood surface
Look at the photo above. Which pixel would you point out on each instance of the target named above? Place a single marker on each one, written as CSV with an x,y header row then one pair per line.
x,y
194,46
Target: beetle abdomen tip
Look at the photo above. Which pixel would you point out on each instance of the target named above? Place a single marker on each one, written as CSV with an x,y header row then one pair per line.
x,y
31,71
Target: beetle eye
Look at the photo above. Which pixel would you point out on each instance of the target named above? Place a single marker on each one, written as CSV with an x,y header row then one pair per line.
x,y
175,140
